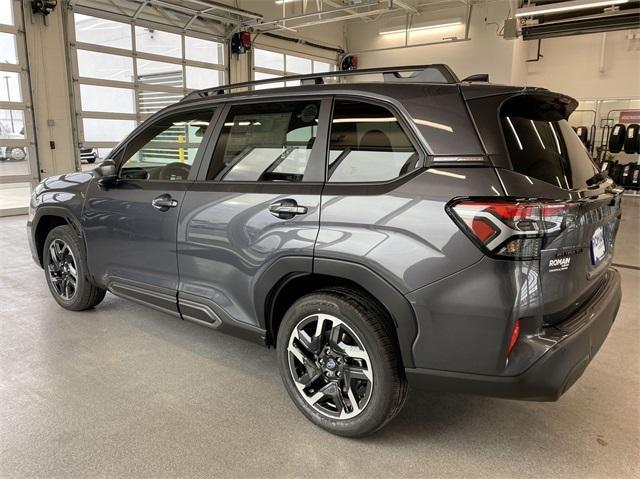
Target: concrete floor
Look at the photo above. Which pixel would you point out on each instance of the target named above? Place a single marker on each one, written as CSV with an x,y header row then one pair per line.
x,y
126,391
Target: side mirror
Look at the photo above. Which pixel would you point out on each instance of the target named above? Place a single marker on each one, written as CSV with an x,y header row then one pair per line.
x,y
105,172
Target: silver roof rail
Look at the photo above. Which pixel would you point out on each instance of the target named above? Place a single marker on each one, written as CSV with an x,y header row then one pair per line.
x,y
436,73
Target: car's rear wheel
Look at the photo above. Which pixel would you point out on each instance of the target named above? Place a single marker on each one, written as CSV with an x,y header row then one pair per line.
x,y
339,362
65,268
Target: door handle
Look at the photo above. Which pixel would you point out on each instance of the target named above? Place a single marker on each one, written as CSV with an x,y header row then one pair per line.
x,y
164,202
286,209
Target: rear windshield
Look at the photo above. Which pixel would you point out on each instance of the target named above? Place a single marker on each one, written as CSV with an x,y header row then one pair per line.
x,y
548,150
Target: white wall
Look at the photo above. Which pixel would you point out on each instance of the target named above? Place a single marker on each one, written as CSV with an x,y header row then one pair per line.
x,y
572,65
485,52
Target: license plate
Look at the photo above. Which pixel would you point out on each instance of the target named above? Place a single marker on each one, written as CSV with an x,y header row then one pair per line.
x,y
598,249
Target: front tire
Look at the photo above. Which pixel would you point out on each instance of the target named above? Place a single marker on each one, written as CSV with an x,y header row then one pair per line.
x,y
65,268
340,363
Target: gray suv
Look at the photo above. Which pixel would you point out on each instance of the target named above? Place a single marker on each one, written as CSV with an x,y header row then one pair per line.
x,y
450,234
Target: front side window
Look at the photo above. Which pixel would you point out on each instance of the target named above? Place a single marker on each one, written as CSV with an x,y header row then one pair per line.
x,y
368,144
166,150
266,142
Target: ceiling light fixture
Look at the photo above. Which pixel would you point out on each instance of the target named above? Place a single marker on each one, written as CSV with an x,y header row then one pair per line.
x,y
419,28
280,2
566,7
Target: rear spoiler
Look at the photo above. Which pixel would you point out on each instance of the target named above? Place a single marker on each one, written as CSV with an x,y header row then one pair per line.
x,y
545,106
540,103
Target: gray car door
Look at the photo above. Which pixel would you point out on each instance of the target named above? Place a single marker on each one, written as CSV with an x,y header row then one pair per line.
x,y
254,205
130,224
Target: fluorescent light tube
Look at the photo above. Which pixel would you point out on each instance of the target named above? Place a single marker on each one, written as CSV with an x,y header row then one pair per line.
x,y
280,2
566,7
390,31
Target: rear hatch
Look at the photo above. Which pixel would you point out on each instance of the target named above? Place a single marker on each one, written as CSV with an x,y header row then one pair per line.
x,y
580,207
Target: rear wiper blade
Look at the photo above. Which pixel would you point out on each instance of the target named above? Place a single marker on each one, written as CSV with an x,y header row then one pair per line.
x,y
596,179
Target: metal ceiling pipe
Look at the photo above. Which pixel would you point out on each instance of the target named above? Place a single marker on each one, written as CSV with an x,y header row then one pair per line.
x,y
319,13
191,12
336,19
226,8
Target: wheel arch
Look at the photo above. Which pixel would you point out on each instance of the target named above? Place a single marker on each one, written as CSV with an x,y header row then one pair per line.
x,y
47,218
280,294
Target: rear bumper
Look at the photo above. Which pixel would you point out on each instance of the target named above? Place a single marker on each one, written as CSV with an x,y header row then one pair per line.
x,y
575,342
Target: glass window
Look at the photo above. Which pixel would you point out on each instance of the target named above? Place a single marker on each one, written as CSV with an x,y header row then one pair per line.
x,y
105,66
102,98
367,144
166,150
150,40
268,59
19,160
547,150
102,32
581,166
203,50
8,52
266,76
298,65
10,86
12,124
266,142
153,101
159,73
149,68
6,12
320,67
199,78
101,129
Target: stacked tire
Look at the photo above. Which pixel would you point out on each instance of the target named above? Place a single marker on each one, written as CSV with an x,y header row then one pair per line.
x,y
624,138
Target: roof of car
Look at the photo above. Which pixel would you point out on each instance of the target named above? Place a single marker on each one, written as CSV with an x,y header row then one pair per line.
x,y
434,77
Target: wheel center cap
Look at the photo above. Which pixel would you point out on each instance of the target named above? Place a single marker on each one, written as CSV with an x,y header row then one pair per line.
x,y
330,363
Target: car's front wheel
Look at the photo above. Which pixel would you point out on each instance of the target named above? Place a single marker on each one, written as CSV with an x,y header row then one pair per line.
x,y
65,267
339,362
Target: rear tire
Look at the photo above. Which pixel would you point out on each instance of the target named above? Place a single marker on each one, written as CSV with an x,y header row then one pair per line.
x,y
65,268
340,363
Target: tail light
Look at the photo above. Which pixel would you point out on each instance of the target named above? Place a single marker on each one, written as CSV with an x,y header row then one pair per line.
x,y
509,229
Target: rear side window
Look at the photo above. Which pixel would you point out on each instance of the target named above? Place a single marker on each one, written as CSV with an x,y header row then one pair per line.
x,y
547,149
266,142
367,144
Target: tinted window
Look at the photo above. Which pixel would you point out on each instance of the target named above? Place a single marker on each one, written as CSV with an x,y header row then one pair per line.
x,y
547,150
367,144
166,149
266,142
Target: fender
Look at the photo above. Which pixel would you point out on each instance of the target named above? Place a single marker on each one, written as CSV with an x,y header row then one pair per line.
x,y
62,212
272,278
393,300
279,273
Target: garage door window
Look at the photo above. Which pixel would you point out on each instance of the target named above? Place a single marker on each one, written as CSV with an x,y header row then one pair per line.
x,y
272,64
128,71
